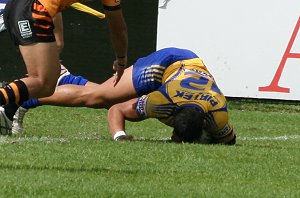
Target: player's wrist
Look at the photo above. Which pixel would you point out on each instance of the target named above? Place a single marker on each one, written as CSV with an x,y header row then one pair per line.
x,y
122,61
121,65
121,57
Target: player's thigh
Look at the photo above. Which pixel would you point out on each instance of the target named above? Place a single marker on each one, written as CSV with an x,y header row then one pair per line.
x,y
42,64
41,59
123,90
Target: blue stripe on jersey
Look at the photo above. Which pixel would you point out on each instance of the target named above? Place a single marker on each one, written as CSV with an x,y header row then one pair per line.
x,y
216,89
224,109
164,110
147,70
163,90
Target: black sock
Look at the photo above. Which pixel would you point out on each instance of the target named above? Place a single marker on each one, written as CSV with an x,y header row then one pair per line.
x,y
15,92
10,110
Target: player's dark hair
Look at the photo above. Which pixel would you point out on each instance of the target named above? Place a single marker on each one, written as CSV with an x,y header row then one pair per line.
x,y
188,124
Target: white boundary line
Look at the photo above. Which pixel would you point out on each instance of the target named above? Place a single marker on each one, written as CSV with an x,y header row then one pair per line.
x,y
47,139
285,137
17,140
243,138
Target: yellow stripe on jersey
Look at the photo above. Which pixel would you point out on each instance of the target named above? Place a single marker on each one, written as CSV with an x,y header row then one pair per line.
x,y
156,67
153,79
154,73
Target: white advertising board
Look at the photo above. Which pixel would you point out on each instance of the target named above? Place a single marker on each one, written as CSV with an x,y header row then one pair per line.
x,y
251,47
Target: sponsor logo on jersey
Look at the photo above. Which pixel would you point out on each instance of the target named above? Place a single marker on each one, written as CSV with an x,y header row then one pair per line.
x,y
141,106
196,96
25,30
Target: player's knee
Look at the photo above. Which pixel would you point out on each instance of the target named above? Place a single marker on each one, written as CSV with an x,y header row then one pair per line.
x,y
46,86
46,89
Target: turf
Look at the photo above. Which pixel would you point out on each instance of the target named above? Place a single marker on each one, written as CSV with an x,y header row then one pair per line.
x,y
68,152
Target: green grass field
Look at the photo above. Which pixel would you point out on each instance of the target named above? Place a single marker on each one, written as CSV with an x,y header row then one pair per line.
x,y
68,152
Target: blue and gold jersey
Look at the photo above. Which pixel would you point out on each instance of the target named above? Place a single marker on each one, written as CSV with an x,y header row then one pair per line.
x,y
180,78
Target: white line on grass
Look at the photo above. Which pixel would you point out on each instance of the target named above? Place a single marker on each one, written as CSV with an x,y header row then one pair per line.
x,y
285,137
280,138
47,139
16,140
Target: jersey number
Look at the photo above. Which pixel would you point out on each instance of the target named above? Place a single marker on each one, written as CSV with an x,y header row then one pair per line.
x,y
198,84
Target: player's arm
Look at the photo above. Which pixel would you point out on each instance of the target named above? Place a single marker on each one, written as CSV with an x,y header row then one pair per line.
x,y
58,31
119,34
117,115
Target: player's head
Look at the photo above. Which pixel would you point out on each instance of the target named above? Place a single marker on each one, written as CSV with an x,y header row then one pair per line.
x,y
188,124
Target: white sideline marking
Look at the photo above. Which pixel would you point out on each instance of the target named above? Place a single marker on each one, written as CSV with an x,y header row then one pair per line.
x,y
153,139
13,140
285,137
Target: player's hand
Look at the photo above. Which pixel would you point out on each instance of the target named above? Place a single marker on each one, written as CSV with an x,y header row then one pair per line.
x,y
125,138
119,66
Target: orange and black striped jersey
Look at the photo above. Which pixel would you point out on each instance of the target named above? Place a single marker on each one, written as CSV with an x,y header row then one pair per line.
x,y
55,6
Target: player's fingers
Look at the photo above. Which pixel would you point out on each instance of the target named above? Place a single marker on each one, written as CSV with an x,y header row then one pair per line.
x,y
115,79
115,65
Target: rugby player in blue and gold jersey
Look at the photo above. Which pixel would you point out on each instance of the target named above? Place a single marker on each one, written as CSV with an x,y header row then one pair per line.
x,y
172,85
175,87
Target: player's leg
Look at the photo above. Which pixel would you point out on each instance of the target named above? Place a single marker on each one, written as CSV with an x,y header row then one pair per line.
x,y
97,96
108,94
38,48
41,80
35,38
43,68
65,78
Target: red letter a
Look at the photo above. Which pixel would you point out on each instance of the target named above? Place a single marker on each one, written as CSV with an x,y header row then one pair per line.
x,y
274,87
